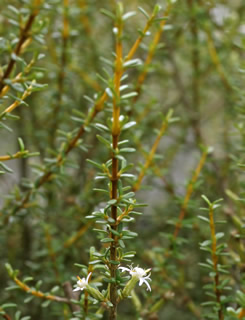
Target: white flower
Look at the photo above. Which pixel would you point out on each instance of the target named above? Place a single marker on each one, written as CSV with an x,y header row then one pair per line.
x,y
82,283
139,274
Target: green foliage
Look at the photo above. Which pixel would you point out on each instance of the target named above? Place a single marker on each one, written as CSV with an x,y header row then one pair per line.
x,y
115,119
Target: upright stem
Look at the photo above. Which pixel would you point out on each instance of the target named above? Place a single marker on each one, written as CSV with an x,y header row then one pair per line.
x,y
215,263
114,179
57,111
195,73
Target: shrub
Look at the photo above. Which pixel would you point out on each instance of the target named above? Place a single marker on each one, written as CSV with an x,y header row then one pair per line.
x,y
135,121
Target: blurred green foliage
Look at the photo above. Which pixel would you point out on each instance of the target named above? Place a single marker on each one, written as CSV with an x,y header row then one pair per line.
x,y
182,114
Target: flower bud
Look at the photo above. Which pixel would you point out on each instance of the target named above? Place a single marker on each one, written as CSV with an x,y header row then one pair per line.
x,y
95,293
130,286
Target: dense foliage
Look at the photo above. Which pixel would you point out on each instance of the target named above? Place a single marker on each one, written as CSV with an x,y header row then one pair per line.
x,y
120,122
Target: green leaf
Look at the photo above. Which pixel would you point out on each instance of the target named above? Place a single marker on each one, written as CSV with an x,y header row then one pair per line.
x,y
8,305
100,231
9,269
144,12
128,125
27,279
106,240
95,164
6,168
128,195
132,63
94,262
28,299
115,232
121,243
128,15
13,9
129,95
156,9
45,304
104,141
108,13
127,150
112,201
219,235
203,218
17,315
101,127
80,265
206,199
55,289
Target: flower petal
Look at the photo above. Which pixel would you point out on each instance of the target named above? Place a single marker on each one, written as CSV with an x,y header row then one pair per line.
x,y
148,286
141,281
124,269
77,289
88,277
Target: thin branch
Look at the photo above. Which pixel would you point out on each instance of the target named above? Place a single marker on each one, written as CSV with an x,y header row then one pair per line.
x,y
40,294
151,154
23,42
189,192
15,104
152,50
18,154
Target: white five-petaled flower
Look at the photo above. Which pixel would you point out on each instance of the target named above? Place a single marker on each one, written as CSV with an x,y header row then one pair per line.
x,y
82,283
139,274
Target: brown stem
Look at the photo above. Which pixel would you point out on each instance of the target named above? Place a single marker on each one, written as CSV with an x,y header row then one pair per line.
x,y
6,316
195,74
114,175
215,262
71,295
61,75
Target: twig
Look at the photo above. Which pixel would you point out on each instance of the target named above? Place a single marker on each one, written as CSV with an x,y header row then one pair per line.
x,y
151,155
24,36
151,52
15,104
18,154
189,192
40,294
71,295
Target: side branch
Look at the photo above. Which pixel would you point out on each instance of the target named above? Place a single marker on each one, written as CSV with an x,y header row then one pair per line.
x,y
24,36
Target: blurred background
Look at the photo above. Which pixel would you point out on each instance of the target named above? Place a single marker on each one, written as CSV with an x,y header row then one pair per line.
x,y
197,69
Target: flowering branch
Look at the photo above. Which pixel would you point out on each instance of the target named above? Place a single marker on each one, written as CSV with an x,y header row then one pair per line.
x,y
115,132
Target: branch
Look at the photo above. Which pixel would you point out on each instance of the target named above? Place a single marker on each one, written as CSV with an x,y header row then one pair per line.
x,y
38,293
189,192
23,42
